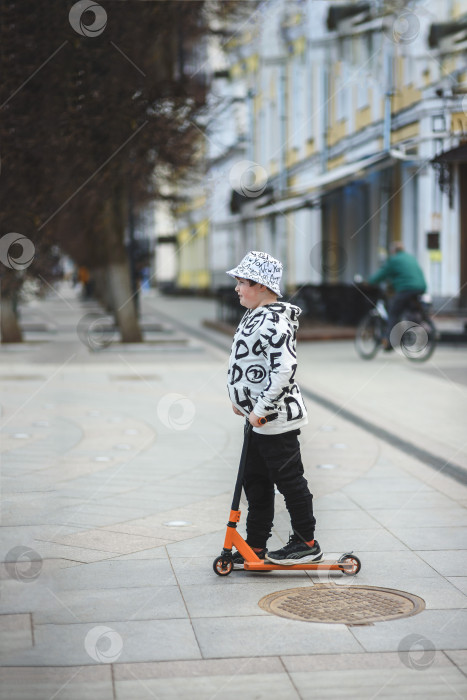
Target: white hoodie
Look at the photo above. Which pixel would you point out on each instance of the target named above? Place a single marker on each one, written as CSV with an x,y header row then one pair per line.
x,y
262,368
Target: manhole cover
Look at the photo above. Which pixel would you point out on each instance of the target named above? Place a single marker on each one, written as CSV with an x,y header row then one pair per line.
x,y
354,605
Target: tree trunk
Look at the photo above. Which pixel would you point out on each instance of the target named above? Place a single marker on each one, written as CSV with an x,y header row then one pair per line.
x,y
117,268
11,331
101,288
118,277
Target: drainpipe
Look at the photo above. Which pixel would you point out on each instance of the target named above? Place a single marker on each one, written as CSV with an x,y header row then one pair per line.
x,y
251,123
387,100
282,126
325,109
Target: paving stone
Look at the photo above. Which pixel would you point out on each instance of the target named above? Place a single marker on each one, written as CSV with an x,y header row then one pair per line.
x,y
116,573
19,597
443,630
202,667
459,582
81,683
421,517
348,662
382,683
20,535
15,633
351,519
365,540
269,635
93,516
112,604
447,563
154,553
406,500
430,538
232,686
218,601
203,517
130,641
55,550
388,484
438,593
106,541
334,501
459,658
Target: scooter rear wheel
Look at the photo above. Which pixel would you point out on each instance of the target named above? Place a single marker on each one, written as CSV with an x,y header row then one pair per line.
x,y
222,567
352,564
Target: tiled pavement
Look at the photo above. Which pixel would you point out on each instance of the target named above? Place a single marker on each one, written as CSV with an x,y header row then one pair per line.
x,y
117,474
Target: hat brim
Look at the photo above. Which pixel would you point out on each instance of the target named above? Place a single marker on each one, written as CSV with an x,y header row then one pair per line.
x,y
238,273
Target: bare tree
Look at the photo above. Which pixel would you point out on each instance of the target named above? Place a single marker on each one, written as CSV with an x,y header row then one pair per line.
x,y
91,103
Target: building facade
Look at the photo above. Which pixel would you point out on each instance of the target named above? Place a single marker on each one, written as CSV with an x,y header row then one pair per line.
x,y
335,129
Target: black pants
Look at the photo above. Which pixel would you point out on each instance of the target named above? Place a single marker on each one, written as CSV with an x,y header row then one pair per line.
x,y
276,459
397,304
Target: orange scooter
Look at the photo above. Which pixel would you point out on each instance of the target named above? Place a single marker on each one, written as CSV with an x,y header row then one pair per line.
x,y
347,564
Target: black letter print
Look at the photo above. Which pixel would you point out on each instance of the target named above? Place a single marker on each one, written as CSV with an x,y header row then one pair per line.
x,y
292,376
245,403
272,334
236,374
255,374
274,356
290,345
241,349
294,410
258,348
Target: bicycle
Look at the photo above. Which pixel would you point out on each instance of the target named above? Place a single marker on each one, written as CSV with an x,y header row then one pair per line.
x,y
414,336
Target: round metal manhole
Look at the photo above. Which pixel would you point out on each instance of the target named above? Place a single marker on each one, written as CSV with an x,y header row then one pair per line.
x,y
353,605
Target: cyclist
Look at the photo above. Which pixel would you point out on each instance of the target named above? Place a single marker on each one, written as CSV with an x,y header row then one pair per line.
x,y
407,279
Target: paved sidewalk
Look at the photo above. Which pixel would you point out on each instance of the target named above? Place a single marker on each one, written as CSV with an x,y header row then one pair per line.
x,y
117,473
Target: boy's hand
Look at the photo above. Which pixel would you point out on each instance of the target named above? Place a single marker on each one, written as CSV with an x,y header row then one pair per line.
x,y
254,420
236,411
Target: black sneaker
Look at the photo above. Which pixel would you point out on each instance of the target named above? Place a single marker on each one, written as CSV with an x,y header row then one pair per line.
x,y
296,552
238,560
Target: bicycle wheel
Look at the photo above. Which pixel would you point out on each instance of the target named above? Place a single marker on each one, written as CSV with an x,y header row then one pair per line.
x,y
368,336
419,342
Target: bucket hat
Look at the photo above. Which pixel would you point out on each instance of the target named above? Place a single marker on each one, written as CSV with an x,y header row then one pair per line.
x,y
260,267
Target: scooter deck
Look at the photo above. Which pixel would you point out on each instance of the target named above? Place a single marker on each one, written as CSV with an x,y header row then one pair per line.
x,y
264,565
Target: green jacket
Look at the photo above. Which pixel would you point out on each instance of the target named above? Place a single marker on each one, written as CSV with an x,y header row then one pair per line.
x,y
402,271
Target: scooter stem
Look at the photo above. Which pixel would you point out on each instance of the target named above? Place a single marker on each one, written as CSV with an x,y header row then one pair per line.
x,y
241,468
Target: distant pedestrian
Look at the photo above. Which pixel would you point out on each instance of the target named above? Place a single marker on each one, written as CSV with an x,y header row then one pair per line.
x,y
84,277
261,382
407,280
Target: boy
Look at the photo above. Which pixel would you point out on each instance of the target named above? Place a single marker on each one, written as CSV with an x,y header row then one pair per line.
x,y
261,382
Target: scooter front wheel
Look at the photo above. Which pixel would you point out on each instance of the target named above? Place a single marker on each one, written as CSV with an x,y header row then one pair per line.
x,y
368,336
222,567
351,564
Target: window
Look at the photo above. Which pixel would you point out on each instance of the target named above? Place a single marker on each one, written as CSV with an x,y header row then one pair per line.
x,y
342,93
296,103
362,90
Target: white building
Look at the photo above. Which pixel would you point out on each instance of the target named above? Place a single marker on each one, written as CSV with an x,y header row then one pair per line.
x,y
320,149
